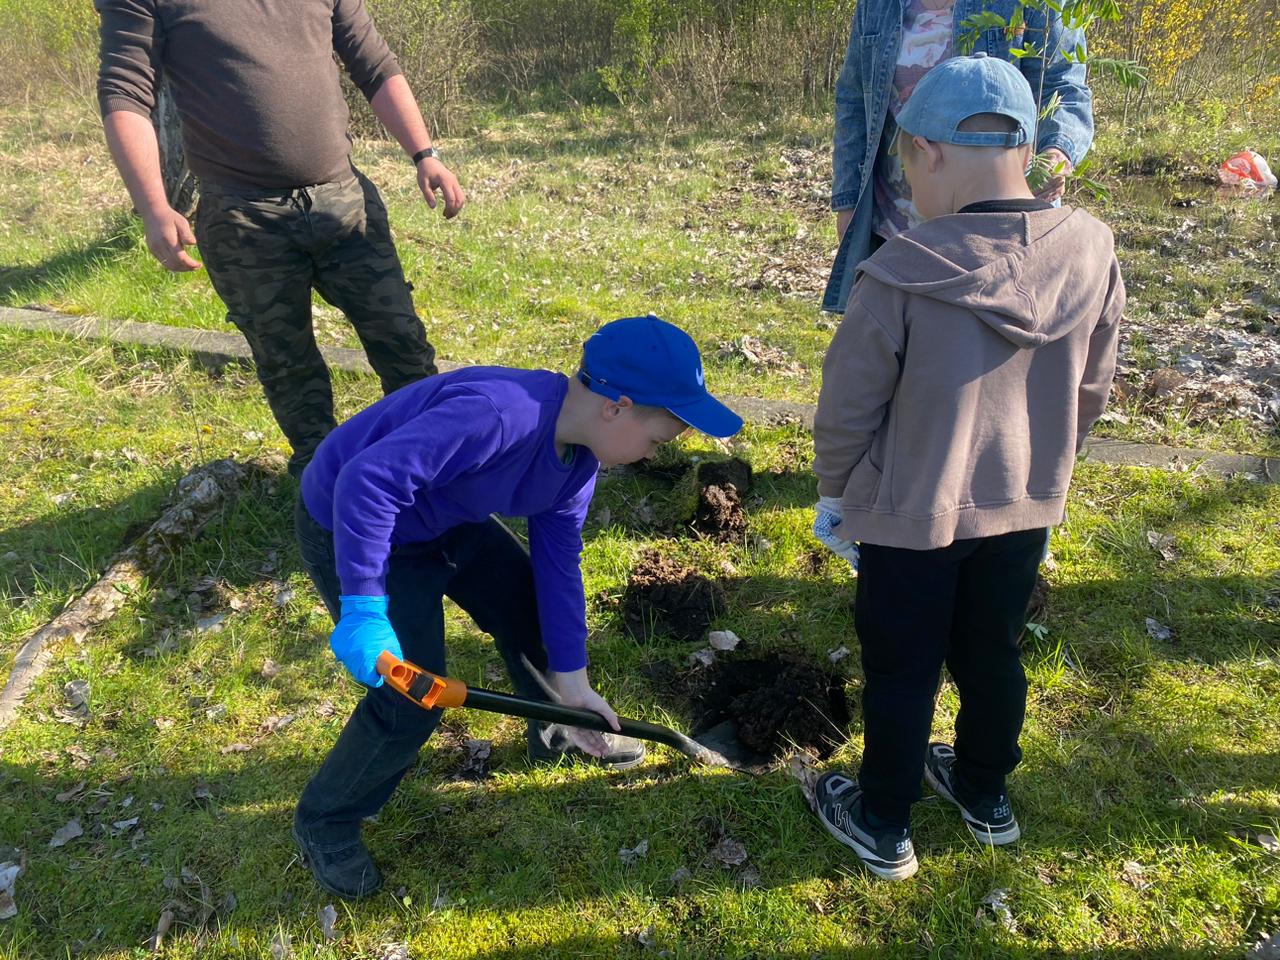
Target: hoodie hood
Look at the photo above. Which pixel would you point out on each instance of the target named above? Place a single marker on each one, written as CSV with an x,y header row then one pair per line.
x,y
1026,275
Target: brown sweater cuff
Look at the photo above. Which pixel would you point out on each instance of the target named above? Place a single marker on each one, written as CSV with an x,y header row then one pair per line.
x,y
370,89
115,102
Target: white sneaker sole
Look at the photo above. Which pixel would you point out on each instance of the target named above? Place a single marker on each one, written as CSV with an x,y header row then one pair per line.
x,y
981,832
900,872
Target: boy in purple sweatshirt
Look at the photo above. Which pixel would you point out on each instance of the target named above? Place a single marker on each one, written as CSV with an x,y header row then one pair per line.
x,y
977,350
397,512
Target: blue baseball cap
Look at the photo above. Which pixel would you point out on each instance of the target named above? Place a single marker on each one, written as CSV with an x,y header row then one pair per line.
x,y
956,89
656,364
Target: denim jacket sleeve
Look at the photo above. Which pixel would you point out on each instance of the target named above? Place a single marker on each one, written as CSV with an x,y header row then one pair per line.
x,y
1070,129
851,128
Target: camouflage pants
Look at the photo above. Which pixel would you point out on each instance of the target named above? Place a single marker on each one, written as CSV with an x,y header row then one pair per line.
x,y
266,249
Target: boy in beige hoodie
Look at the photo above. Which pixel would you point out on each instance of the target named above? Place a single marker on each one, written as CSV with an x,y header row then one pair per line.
x,y
977,350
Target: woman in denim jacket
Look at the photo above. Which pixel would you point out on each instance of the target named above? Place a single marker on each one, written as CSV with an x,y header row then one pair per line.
x,y
892,44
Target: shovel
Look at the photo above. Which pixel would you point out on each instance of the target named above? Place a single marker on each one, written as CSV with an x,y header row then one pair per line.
x,y
430,691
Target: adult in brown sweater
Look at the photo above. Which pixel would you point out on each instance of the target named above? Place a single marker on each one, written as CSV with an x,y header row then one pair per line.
x,y
977,350
282,209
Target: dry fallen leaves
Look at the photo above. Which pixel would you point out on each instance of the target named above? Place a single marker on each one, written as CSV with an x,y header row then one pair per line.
x,y
1163,544
723,640
803,767
995,910
475,766
71,792
65,834
729,853
630,855
213,624
328,921
281,945
1134,874
702,658
8,877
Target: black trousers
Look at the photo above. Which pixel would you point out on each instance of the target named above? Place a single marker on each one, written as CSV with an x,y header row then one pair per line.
x,y
963,605
482,568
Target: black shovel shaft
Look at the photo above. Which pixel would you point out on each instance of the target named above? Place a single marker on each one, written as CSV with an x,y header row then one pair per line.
x,y
514,706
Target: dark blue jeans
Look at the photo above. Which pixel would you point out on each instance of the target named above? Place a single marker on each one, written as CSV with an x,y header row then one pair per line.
x,y
963,605
485,570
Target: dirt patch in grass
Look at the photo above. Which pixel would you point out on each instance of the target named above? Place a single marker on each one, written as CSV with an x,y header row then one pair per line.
x,y
719,512
721,488
665,597
774,703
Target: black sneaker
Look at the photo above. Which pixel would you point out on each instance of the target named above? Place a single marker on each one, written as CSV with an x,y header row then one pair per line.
x,y
550,743
346,871
990,819
887,853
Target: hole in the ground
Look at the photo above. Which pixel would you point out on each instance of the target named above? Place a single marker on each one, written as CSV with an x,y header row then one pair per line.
x,y
773,703
721,486
664,597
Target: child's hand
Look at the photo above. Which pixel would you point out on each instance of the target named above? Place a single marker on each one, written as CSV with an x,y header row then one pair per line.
x,y
1059,167
362,633
575,691
829,514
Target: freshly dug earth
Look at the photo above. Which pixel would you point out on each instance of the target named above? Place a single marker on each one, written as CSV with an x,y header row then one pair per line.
x,y
775,703
721,487
719,514
667,598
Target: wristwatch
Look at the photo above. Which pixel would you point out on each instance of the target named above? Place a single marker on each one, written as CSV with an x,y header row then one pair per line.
x,y
424,154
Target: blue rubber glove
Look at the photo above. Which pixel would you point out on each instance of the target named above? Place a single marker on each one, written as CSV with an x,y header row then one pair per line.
x,y
362,633
829,515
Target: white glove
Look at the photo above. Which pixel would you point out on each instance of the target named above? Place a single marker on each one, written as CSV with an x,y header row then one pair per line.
x,y
829,514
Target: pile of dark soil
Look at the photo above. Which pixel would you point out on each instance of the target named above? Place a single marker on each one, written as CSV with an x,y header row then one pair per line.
x,y
667,598
719,514
721,487
774,703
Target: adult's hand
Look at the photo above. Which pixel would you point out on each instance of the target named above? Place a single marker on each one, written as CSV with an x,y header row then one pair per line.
x,y
434,175
1060,167
575,691
168,236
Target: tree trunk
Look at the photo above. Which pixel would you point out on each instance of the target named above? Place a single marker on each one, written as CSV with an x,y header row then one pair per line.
x,y
179,184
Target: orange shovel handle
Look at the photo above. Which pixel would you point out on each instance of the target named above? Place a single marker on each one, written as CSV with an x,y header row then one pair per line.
x,y
421,686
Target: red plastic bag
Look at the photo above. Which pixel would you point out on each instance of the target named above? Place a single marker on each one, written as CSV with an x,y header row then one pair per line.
x,y
1248,169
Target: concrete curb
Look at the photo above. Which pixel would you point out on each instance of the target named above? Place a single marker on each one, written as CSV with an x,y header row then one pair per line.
x,y
217,348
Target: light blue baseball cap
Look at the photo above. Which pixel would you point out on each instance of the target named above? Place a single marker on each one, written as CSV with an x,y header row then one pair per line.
x,y
958,88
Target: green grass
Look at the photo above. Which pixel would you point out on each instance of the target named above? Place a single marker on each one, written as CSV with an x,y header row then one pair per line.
x,y
583,215
1136,750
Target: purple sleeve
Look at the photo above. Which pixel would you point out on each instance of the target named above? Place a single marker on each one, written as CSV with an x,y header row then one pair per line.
x,y
555,547
361,48
129,56
386,477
